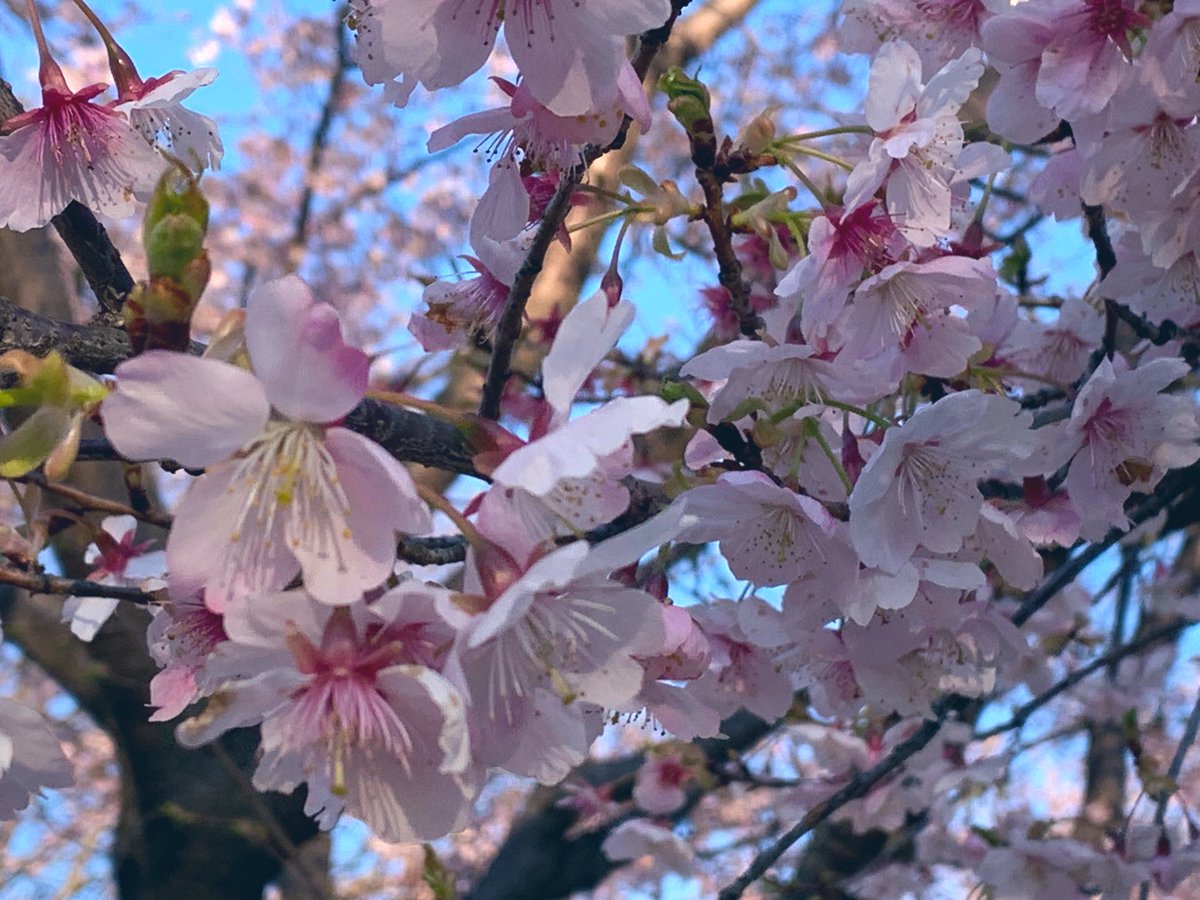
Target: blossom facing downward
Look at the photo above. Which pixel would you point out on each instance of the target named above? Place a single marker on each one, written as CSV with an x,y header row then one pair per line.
x,y
71,148
285,491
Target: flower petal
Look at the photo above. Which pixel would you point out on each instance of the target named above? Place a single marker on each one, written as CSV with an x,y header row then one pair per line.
x,y
196,411
296,347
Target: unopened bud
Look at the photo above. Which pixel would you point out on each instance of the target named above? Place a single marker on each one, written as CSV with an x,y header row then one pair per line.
x,y
759,133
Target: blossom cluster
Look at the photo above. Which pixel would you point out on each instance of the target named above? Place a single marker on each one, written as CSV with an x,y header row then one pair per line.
x,y
885,463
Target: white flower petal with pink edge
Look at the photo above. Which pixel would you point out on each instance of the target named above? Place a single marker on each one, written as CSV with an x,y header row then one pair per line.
x,y
575,450
919,488
174,406
584,337
296,348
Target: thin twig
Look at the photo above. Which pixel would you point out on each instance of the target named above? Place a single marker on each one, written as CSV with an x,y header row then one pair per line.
x,y
39,583
857,787
1164,495
1173,770
1022,713
92,502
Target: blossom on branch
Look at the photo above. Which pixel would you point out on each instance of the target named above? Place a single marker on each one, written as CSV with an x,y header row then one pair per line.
x,y
285,490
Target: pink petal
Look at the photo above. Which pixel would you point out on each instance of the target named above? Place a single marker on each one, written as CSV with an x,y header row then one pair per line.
x,y
210,547
173,406
296,347
382,500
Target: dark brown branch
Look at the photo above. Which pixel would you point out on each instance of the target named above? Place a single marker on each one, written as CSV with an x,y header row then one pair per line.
x,y
79,587
98,259
94,348
729,267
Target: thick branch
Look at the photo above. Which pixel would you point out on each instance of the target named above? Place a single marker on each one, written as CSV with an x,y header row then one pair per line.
x,y
409,436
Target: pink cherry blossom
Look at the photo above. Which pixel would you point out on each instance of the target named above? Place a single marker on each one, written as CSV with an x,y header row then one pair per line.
x,y
841,244
779,377
554,642
458,310
1128,434
117,561
919,489
939,30
1069,57
569,53
743,673
907,318
658,788
30,757
284,491
546,139
181,637
918,149
348,708
71,148
770,535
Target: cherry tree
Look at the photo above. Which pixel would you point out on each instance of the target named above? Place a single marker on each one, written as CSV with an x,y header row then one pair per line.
x,y
377,488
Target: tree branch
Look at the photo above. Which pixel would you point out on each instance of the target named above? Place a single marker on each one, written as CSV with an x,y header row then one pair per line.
x,y
38,583
508,329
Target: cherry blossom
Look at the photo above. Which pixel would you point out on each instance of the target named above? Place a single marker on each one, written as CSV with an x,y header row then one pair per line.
x,y
919,489
117,560
1127,434
30,757
658,788
570,54
71,148
347,708
769,534
918,149
284,490
551,642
